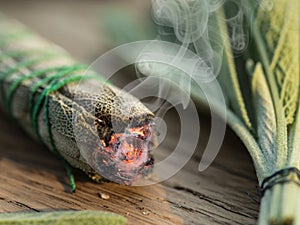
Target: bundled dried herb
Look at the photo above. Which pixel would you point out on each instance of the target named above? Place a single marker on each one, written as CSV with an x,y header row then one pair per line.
x,y
262,91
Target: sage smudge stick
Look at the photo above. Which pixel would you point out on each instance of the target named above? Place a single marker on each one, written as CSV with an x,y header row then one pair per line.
x,y
38,85
276,38
272,136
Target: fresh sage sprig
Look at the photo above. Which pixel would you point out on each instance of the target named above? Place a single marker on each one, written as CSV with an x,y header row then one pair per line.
x,y
267,118
84,217
276,39
263,101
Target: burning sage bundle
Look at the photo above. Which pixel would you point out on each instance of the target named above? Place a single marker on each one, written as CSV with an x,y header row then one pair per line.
x,y
38,84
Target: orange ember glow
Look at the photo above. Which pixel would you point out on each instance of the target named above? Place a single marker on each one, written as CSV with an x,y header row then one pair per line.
x,y
124,157
130,145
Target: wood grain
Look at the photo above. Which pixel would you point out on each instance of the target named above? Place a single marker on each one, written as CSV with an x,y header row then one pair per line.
x,y
33,179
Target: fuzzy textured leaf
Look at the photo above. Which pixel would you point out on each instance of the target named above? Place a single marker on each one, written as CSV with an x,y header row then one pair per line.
x,y
281,29
229,78
265,114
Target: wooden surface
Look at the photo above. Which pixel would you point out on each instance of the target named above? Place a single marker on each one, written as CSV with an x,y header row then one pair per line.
x,y
32,179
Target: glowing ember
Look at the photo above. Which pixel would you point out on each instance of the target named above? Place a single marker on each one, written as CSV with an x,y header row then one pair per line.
x,y
129,153
130,145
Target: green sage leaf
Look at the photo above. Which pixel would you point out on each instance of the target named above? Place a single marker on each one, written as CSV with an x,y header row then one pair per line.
x,y
280,27
229,77
265,114
85,217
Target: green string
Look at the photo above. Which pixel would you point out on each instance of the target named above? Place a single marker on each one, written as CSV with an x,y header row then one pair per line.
x,y
68,169
35,108
54,85
19,66
52,82
13,87
53,88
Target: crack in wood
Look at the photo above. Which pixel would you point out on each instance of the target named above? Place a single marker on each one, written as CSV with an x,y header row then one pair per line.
x,y
214,201
19,204
210,215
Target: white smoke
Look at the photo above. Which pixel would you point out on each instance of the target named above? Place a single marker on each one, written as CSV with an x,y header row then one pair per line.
x,y
197,57
168,71
199,43
193,23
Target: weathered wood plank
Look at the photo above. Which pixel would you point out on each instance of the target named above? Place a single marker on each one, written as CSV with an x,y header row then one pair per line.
x,y
31,178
